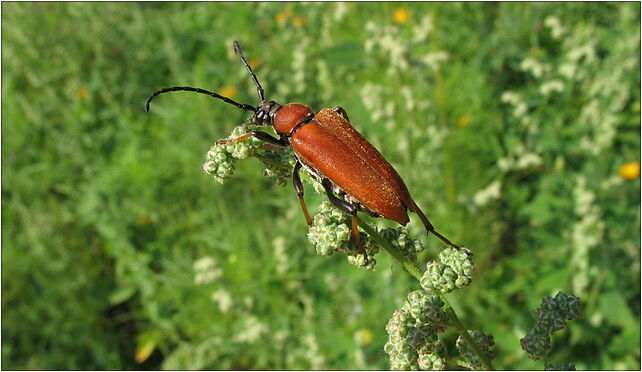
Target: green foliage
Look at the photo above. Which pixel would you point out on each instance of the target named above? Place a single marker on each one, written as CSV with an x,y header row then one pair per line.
x,y
552,315
468,357
508,122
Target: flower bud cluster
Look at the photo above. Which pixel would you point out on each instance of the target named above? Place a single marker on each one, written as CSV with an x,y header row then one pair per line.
x,y
219,163
399,238
431,361
278,164
552,315
561,367
221,157
453,269
412,333
468,357
426,309
331,232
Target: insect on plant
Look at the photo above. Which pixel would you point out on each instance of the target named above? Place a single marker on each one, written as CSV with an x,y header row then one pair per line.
x,y
354,175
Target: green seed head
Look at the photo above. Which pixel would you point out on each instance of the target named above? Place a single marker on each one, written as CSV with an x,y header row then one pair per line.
x,y
561,367
331,232
400,239
399,363
453,269
426,309
220,158
413,331
553,313
468,357
243,149
219,163
430,362
278,164
536,343
568,305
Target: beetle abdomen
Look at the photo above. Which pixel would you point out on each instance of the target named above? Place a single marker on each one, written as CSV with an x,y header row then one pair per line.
x,y
321,149
354,140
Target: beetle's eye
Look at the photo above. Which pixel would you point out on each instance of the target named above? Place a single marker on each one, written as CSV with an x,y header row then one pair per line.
x,y
263,114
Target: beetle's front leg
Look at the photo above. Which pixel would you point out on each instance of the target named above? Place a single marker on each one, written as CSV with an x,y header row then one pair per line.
x,y
349,209
263,136
341,111
298,187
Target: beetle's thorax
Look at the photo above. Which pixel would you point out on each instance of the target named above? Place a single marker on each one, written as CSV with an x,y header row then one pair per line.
x,y
289,116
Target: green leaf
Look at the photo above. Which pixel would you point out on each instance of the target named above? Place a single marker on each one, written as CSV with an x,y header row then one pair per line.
x,y
121,294
348,53
615,309
629,339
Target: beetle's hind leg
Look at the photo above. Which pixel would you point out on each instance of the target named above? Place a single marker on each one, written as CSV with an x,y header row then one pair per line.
x,y
431,229
298,187
348,208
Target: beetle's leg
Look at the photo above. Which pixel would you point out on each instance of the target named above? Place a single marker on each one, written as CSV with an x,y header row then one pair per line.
x,y
246,125
431,229
339,110
258,134
298,187
224,141
349,209
356,237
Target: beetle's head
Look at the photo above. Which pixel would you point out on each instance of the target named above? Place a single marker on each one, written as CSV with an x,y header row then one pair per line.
x,y
265,113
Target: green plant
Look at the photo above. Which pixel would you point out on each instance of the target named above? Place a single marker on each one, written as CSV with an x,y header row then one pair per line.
x,y
105,210
413,331
552,315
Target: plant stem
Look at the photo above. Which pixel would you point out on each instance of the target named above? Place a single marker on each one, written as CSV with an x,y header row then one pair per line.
x,y
409,266
459,327
414,271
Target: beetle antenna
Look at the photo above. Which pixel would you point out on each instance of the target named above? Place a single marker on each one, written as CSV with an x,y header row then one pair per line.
x,y
259,88
198,90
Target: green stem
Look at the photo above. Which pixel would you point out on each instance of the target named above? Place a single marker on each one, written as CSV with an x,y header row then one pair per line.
x,y
459,327
414,271
374,235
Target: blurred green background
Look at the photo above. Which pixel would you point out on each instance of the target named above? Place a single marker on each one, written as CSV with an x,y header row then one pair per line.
x,y
516,126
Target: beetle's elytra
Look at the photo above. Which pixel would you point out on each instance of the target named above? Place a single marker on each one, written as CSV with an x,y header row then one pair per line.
x,y
355,176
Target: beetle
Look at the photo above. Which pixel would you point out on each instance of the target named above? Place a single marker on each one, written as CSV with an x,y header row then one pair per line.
x,y
354,175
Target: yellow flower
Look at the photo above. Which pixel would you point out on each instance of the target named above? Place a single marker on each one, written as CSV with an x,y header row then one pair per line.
x,y
254,62
463,121
401,16
299,21
280,17
143,352
82,93
363,336
144,220
630,171
146,344
284,15
229,92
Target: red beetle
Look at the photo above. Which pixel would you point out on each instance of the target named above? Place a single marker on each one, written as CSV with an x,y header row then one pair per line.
x,y
355,176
